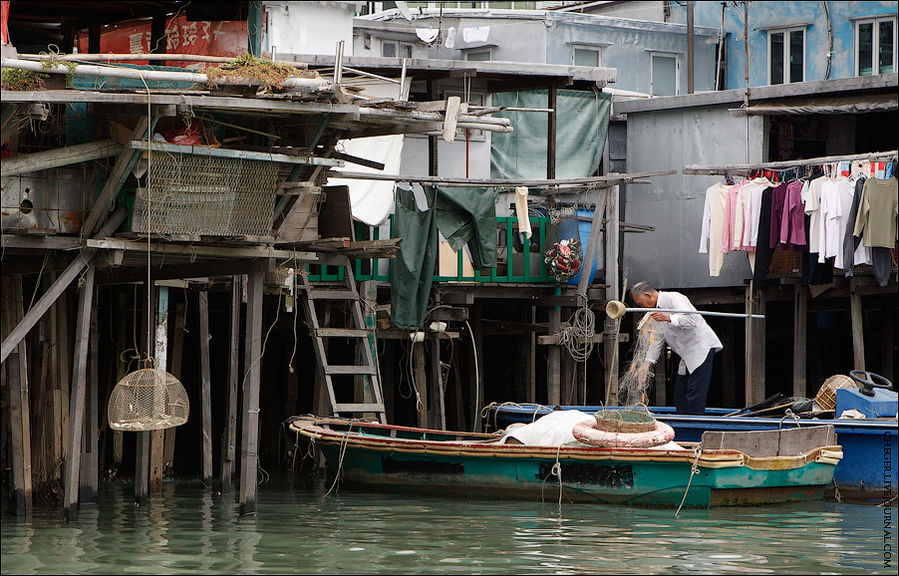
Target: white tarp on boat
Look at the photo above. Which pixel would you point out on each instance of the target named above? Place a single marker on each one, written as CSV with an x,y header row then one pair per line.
x,y
554,429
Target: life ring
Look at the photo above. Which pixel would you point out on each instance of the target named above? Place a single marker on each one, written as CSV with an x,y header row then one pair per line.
x,y
587,433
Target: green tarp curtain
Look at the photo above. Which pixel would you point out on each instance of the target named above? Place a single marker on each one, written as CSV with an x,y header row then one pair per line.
x,y
582,121
464,215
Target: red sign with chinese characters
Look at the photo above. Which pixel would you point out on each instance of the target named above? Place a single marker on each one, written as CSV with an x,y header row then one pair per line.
x,y
222,38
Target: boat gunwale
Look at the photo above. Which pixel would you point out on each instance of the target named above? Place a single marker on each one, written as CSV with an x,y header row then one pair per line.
x,y
315,429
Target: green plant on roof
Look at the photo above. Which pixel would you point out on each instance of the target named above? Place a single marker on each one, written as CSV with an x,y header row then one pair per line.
x,y
23,80
255,71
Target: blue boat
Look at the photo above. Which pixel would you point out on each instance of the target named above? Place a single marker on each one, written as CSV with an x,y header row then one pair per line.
x,y
868,470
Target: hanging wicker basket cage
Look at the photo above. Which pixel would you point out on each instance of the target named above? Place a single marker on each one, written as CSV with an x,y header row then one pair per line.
x,y
147,399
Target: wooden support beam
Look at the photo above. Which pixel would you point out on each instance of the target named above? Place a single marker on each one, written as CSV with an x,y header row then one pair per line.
x,y
233,154
229,439
56,290
124,163
250,414
77,395
56,158
553,339
121,320
19,410
610,351
856,318
800,332
205,389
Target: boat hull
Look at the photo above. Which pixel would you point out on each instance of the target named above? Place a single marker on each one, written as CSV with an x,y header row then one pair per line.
x,y
868,470
610,482
397,459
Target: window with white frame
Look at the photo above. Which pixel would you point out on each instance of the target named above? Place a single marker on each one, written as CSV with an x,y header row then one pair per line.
x,y
391,49
663,80
586,56
786,55
875,46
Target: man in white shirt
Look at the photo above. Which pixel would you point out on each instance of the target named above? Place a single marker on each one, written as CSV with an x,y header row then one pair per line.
x,y
690,338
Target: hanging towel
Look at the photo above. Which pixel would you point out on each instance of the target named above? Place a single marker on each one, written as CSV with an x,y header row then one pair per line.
x,y
450,41
521,211
477,34
426,35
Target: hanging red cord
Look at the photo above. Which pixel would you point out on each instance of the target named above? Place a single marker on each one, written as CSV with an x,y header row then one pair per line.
x,y
467,134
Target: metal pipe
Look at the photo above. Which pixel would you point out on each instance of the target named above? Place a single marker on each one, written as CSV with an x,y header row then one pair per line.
x,y
700,312
149,58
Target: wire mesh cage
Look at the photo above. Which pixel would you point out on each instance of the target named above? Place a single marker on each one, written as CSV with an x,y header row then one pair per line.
x,y
147,399
209,196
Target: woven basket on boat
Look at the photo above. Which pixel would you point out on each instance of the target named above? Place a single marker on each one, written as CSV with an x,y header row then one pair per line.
x,y
625,421
826,397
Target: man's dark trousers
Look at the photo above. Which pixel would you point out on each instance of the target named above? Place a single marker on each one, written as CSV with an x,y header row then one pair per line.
x,y
692,389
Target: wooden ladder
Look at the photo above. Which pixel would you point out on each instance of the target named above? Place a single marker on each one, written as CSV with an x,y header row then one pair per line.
x,y
330,292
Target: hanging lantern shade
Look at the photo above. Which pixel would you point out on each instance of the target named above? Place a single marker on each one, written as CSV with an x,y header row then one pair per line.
x,y
147,399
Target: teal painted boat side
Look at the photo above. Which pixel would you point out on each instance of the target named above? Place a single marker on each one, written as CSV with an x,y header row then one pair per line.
x,y
609,481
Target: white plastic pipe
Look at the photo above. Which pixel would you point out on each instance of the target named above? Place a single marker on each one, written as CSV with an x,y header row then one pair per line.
x,y
308,84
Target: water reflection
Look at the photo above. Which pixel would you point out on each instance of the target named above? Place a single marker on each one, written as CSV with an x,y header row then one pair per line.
x,y
191,529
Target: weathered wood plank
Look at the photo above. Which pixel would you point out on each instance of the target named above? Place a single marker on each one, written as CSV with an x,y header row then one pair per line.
x,y
800,330
856,318
65,156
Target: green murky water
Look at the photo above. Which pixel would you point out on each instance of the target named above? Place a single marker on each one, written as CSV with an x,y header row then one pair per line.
x,y
193,530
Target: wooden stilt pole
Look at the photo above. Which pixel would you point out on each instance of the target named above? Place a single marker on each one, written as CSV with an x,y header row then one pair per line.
x,y
421,383
161,354
19,410
439,408
250,413
121,370
478,398
530,361
168,451
800,327
205,388
554,361
78,395
90,473
858,332
610,340
142,452
229,441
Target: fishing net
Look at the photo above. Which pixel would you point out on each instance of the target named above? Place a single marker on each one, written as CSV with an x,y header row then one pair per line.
x,y
625,421
633,383
147,399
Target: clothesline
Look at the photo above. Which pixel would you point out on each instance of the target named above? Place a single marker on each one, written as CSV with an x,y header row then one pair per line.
x,y
787,164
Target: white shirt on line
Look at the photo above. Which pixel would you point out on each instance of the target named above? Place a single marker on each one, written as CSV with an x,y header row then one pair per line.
x,y
687,334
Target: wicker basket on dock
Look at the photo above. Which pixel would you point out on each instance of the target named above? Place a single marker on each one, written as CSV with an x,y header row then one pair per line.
x,y
625,421
826,397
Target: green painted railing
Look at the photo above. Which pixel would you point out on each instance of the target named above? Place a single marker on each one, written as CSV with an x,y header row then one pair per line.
x,y
521,267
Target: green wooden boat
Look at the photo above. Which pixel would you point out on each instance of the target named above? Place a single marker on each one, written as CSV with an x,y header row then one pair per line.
x,y
724,469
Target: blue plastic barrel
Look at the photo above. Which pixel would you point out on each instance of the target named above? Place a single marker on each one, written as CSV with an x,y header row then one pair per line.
x,y
571,227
